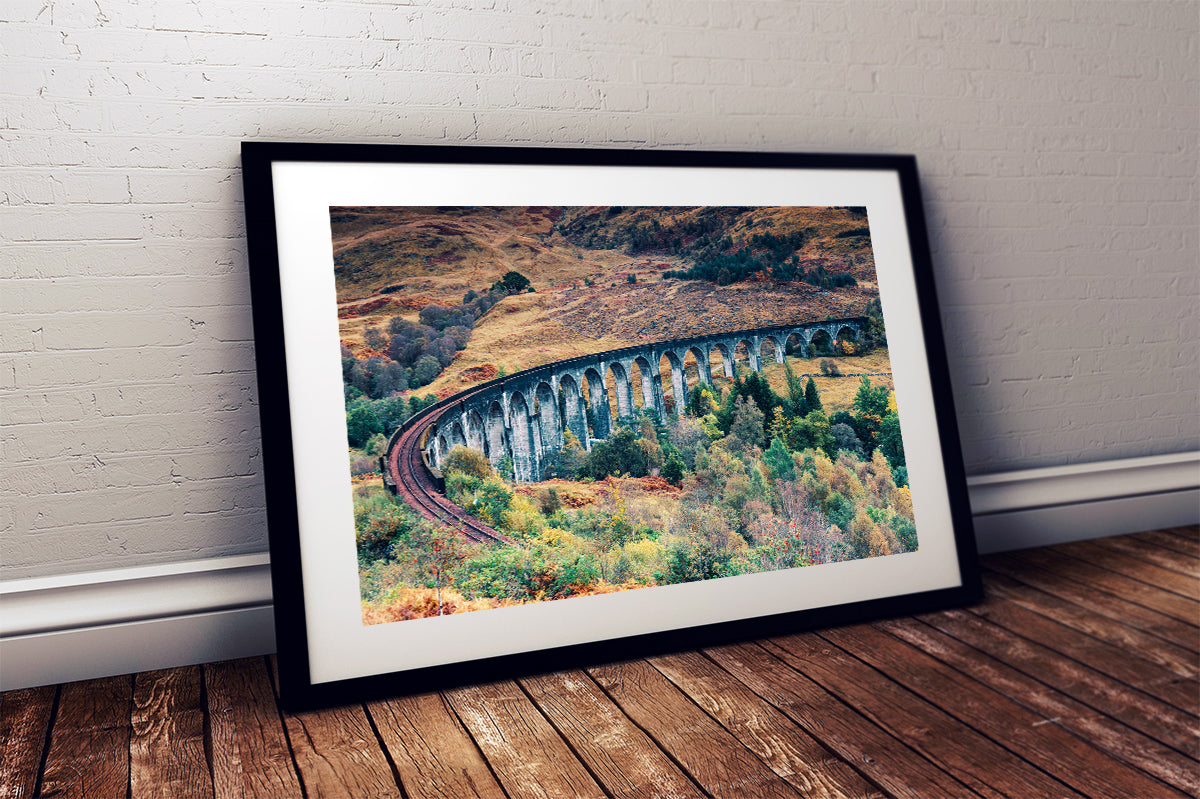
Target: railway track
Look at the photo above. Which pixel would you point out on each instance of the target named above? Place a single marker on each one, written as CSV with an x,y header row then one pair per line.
x,y
414,484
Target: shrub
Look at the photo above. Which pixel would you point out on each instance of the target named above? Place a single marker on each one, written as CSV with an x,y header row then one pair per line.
x,y
829,368
548,501
467,461
364,465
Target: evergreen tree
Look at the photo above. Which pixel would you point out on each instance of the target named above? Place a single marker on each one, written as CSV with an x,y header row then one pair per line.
x,y
890,443
812,432
779,461
812,400
673,469
871,404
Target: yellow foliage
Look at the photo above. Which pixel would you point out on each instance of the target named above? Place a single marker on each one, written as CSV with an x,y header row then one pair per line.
x,y
709,423
523,517
845,481
644,557
863,532
823,466
523,504
901,501
643,550
879,544
557,537
878,476
891,406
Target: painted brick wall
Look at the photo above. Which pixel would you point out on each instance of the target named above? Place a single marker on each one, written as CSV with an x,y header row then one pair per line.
x,y
1057,142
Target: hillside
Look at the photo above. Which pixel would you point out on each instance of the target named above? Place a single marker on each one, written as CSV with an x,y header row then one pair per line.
x,y
394,261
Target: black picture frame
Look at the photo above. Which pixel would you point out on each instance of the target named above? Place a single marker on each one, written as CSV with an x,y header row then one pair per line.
x,y
289,185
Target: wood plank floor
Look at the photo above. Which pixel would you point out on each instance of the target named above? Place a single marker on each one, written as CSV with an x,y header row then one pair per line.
x,y
1076,677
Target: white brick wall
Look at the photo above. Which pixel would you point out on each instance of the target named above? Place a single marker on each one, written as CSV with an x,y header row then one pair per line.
x,y
1057,142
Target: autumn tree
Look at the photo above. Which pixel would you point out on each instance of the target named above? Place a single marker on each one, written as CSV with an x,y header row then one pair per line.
x,y
435,554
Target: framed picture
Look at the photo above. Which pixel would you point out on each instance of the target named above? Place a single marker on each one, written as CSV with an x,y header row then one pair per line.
x,y
529,408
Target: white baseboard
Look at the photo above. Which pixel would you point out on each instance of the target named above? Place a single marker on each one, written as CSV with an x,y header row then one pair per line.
x,y
81,626
1040,507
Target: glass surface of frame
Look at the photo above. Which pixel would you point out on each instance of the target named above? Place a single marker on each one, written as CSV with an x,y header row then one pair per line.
x,y
661,398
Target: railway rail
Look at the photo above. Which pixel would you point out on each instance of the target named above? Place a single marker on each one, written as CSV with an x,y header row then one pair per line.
x,y
415,483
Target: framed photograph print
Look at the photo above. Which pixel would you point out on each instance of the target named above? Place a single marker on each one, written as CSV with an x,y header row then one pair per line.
x,y
530,408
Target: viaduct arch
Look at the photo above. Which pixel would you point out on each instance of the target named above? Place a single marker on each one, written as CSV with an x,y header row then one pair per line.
x,y
524,415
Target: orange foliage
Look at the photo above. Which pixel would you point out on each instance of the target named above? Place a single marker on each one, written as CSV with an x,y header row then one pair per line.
x,y
422,603
416,302
474,374
362,309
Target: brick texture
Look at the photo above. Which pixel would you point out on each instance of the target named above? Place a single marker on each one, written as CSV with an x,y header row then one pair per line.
x,y
1057,143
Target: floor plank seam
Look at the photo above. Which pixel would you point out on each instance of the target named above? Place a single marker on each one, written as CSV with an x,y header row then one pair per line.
x,y
387,753
273,679
565,738
488,763
1057,695
670,755
46,738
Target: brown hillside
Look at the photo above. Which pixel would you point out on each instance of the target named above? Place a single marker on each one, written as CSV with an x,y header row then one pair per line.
x,y
393,261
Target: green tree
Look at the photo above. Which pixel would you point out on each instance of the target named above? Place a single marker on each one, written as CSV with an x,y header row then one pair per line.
x,y
378,526
795,399
812,432
812,400
747,425
621,454
494,498
890,443
533,572
871,406
566,462
874,334
701,400
871,400
702,561
361,423
779,461
426,370
672,470
513,283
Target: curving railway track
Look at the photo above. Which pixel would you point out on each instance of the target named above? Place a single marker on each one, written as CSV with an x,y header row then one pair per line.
x,y
415,484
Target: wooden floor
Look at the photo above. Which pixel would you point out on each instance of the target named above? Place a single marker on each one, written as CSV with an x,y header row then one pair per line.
x,y
1077,677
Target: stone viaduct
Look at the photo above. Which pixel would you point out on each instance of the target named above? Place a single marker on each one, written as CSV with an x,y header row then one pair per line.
x,y
524,415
